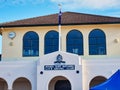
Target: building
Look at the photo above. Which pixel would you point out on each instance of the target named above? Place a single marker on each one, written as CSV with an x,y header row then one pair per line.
x,y
30,60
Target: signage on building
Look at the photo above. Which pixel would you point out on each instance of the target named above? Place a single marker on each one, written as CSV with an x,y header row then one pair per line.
x,y
59,67
59,64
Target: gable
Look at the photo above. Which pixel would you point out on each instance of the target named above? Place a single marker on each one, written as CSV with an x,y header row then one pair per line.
x,y
65,58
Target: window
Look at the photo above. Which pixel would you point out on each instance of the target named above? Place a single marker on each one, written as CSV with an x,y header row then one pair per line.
x,y
31,44
75,42
97,42
51,42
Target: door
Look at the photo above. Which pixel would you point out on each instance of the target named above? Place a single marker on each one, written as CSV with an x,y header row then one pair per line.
x,y
62,85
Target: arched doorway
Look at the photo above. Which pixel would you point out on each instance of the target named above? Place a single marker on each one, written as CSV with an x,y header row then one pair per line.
x,y
97,80
22,84
3,84
59,83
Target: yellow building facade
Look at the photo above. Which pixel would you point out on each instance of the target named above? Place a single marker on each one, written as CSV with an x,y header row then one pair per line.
x,y
70,69
9,45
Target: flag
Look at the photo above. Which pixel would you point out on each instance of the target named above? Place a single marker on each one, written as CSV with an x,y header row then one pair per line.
x,y
59,17
59,25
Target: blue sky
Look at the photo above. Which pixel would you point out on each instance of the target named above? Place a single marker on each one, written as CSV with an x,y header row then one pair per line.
x,y
11,10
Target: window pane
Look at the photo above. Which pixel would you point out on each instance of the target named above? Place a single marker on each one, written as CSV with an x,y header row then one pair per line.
x,y
75,42
101,40
92,41
97,45
51,42
30,44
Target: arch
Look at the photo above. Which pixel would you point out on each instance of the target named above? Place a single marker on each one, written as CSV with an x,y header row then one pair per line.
x,y
22,84
97,80
3,84
51,42
74,41
59,83
31,44
97,42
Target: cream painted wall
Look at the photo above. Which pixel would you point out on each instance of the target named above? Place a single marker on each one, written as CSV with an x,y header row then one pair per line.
x,y
98,67
12,48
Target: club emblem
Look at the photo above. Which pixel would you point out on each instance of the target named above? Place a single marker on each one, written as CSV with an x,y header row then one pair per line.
x,y
59,59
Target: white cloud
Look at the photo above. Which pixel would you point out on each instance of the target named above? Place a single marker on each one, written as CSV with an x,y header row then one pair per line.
x,y
91,4
16,2
101,4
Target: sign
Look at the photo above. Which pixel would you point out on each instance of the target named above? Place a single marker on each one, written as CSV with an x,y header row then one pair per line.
x,y
59,64
59,67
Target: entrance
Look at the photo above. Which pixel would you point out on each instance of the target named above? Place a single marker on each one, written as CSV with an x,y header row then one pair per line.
x,y
3,84
62,85
22,84
59,83
97,80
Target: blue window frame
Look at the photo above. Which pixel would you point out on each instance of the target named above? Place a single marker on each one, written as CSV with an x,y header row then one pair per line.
x,y
31,44
97,42
51,42
75,42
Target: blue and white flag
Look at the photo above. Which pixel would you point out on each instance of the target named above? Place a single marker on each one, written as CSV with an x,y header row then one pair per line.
x,y
59,18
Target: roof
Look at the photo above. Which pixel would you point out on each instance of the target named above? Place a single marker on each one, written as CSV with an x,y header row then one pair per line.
x,y
68,18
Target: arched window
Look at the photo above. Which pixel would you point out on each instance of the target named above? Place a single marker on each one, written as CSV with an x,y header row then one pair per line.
x,y
51,42
31,44
97,42
75,42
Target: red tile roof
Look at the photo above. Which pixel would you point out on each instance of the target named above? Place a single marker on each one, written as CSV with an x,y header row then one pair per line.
x,y
68,18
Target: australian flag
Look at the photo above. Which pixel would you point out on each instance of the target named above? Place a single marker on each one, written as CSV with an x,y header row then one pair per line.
x,y
59,17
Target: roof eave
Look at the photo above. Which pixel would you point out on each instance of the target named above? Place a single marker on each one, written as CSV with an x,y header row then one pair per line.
x,y
33,25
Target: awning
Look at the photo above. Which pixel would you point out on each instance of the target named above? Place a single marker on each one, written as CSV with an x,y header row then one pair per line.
x,y
113,83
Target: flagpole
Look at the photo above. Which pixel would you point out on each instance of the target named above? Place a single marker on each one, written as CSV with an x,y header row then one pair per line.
x,y
59,26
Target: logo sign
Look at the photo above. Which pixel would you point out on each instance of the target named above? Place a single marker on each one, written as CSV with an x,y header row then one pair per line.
x,y
59,59
59,64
